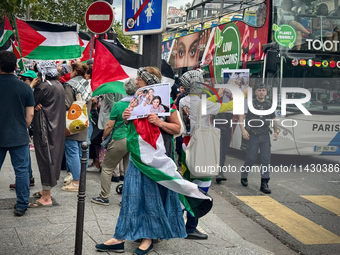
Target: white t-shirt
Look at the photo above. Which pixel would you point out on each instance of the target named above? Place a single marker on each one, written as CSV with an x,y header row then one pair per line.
x,y
190,103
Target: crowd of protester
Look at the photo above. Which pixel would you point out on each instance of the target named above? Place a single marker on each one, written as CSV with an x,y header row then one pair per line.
x,y
37,100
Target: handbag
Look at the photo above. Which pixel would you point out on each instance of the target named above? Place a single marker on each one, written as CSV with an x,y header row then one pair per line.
x,y
108,139
203,150
76,118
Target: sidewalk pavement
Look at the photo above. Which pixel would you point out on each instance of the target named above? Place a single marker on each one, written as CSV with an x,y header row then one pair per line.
x,y
51,230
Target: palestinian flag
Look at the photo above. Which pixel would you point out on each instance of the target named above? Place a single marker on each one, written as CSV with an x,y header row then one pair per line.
x,y
113,64
85,40
41,40
86,52
6,35
146,146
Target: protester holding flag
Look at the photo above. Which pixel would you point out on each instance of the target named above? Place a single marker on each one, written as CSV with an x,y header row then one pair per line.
x,y
77,85
148,210
49,130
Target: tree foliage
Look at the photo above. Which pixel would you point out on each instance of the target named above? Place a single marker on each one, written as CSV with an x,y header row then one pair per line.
x,y
61,11
127,41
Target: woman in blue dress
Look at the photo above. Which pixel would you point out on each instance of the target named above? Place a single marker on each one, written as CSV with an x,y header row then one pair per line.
x,y
149,210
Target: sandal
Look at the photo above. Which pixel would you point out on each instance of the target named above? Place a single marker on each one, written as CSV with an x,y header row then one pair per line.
x,y
37,194
37,204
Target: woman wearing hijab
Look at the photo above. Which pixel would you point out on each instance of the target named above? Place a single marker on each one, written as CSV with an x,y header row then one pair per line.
x,y
49,130
77,85
148,210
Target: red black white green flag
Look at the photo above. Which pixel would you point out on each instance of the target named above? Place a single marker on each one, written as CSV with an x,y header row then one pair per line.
x,y
112,65
41,40
6,35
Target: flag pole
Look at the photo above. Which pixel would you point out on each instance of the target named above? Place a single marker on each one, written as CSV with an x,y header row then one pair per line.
x,y
91,47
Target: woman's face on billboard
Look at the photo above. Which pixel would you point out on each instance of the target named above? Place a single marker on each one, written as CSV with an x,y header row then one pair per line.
x,y
187,51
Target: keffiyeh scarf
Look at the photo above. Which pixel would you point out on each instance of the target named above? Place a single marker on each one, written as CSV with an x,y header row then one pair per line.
x,y
192,81
48,68
149,78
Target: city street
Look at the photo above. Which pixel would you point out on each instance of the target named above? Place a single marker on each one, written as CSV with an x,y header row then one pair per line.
x,y
51,230
303,209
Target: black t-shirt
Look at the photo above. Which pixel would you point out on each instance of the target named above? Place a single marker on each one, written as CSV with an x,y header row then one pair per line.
x,y
15,96
184,94
256,119
174,91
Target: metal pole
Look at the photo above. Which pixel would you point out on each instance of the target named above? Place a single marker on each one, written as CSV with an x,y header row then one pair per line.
x,y
140,45
152,50
81,202
28,12
91,45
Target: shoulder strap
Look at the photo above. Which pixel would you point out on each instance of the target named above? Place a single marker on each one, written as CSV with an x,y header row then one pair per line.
x,y
117,127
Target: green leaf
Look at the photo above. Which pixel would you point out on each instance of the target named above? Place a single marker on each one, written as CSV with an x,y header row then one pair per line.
x,y
220,42
275,27
291,45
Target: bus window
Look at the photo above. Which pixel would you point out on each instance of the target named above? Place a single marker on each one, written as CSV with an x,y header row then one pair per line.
x,y
256,14
317,20
323,86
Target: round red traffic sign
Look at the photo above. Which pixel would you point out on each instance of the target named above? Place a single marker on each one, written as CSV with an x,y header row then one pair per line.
x,y
99,17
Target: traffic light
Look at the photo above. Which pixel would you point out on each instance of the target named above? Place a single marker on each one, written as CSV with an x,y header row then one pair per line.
x,y
109,1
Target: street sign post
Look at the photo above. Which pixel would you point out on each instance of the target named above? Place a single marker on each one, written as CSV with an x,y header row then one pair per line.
x,y
144,17
99,17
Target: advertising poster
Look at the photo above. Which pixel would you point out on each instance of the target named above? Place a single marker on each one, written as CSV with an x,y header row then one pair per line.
x,y
166,49
151,99
238,78
188,50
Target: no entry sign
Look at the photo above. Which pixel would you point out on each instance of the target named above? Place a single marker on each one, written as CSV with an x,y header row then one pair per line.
x,y
99,17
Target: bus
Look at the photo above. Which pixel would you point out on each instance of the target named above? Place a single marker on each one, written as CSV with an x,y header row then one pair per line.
x,y
283,43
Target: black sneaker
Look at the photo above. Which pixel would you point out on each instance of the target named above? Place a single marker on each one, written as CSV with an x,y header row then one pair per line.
x,y
100,201
18,212
115,179
196,235
264,187
244,182
121,178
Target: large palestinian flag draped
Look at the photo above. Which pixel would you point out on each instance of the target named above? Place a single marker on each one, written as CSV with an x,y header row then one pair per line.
x,y
41,40
113,64
146,146
6,35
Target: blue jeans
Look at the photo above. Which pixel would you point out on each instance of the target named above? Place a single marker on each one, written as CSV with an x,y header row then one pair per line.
x,y
20,158
255,142
30,169
88,140
192,221
73,157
